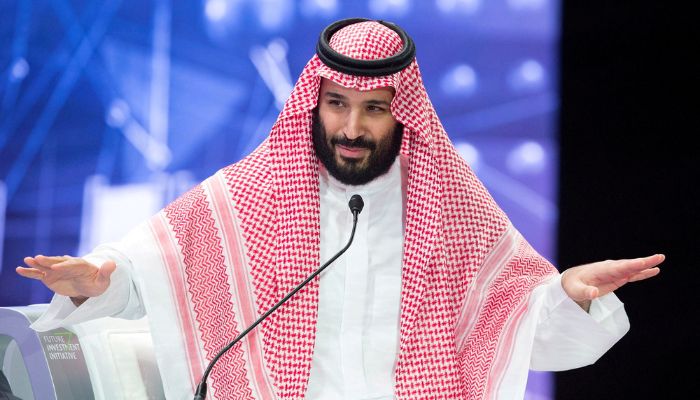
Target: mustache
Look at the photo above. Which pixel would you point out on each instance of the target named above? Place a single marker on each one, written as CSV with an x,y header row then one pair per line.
x,y
360,142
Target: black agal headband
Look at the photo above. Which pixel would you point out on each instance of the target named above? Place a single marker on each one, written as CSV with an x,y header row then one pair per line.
x,y
353,66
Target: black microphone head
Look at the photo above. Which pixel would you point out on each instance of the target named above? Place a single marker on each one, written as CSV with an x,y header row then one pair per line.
x,y
356,204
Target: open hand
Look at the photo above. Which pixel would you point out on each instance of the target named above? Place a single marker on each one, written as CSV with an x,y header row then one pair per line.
x,y
69,276
587,282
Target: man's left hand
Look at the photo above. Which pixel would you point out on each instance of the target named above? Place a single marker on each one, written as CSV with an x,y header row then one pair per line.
x,y
587,282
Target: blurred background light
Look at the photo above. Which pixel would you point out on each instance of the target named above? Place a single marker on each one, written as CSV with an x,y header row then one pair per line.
x,y
527,4
20,69
272,65
274,14
117,114
216,10
221,17
469,153
459,81
389,8
527,158
527,75
466,7
319,8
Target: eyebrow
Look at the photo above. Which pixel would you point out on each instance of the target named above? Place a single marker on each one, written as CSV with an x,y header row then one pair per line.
x,y
368,102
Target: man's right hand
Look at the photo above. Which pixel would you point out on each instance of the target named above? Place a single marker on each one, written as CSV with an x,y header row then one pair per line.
x,y
69,276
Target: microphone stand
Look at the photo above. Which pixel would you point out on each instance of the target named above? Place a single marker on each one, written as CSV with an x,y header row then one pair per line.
x,y
356,204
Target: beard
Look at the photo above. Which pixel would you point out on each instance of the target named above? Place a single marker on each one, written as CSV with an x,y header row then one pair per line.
x,y
352,171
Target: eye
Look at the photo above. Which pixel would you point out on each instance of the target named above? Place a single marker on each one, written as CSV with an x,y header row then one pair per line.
x,y
375,109
335,103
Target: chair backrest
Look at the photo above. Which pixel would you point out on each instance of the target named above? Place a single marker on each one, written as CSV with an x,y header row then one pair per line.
x,y
107,358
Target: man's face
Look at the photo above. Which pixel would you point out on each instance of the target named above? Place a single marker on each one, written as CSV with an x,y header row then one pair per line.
x,y
354,133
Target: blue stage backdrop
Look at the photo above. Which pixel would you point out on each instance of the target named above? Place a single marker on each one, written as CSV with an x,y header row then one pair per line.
x,y
111,108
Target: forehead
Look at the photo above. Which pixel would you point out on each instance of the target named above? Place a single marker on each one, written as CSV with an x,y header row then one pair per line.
x,y
379,94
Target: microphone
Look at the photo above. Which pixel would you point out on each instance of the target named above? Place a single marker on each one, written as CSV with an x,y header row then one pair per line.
x,y
355,204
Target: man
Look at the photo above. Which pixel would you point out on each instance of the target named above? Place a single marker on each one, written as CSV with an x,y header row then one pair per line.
x,y
438,296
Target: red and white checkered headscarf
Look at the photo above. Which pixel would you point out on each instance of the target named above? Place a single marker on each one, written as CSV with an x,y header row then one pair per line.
x,y
460,302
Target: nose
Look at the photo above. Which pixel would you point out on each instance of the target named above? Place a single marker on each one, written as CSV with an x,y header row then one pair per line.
x,y
354,125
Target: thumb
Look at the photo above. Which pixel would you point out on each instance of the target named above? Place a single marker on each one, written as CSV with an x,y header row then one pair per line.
x,y
106,271
591,292
580,291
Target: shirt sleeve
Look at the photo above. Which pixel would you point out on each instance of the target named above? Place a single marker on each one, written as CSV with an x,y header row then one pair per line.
x,y
121,299
556,334
568,337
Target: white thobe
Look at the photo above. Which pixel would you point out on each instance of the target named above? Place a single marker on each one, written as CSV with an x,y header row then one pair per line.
x,y
359,296
359,304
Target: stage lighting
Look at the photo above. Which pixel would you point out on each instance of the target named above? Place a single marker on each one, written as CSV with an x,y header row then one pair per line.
x,y
389,8
527,158
20,69
527,75
320,8
216,10
469,153
460,81
274,14
526,4
467,7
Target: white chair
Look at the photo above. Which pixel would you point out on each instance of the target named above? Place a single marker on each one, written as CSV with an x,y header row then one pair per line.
x,y
104,359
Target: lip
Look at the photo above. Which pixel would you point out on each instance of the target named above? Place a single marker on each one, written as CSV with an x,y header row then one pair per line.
x,y
351,152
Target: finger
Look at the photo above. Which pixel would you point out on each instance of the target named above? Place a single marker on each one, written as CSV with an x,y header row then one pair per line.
x,y
74,266
70,262
33,263
48,261
635,265
653,261
30,273
647,273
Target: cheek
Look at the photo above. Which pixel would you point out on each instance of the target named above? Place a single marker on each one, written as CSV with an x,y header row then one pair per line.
x,y
385,130
331,122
